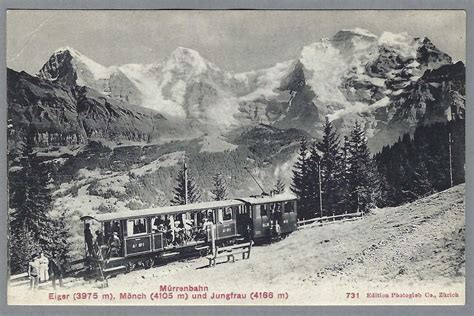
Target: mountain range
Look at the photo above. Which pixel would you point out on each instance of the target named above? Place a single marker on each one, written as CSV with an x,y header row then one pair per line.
x,y
354,75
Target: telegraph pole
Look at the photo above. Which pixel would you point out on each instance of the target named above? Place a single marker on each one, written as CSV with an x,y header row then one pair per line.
x,y
320,192
450,126
450,161
185,183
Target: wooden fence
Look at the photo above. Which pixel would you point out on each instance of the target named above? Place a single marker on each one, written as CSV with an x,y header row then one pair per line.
x,y
329,219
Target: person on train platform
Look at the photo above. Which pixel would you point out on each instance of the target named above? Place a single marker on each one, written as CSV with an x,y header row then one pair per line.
x,y
159,223
89,239
114,245
99,237
178,232
171,229
116,227
206,226
141,226
188,228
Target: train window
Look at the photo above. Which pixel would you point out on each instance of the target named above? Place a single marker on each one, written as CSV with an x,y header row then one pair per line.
x,y
136,226
275,207
239,210
228,214
210,215
289,207
263,210
158,224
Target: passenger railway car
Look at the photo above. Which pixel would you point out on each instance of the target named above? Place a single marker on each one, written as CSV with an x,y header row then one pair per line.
x,y
125,239
267,211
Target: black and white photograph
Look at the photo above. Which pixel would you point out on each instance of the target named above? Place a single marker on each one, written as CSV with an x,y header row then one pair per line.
x,y
236,157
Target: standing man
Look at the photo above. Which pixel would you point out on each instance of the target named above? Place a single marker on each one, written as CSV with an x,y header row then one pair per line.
x,y
114,245
89,239
43,268
56,270
33,270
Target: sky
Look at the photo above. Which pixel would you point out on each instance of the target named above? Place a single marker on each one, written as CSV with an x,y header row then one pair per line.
x,y
233,40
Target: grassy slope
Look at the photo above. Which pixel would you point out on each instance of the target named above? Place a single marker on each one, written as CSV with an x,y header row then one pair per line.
x,y
417,244
423,241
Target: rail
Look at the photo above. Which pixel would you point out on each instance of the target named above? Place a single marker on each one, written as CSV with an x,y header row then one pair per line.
x,y
328,219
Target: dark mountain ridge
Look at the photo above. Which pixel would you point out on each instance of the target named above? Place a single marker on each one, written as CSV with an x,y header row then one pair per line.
x,y
65,115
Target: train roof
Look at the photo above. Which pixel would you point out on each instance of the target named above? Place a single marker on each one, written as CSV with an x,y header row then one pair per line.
x,y
269,198
164,210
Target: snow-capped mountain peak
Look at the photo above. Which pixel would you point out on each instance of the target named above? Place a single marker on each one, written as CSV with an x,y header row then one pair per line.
x,y
67,65
187,61
345,77
347,33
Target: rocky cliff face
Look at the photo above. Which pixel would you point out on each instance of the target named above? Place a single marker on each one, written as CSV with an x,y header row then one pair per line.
x,y
64,115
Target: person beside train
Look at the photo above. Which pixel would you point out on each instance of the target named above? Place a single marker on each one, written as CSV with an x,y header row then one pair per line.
x,y
171,229
56,270
99,238
188,229
206,226
178,229
89,239
114,245
100,248
43,268
33,272
116,227
275,219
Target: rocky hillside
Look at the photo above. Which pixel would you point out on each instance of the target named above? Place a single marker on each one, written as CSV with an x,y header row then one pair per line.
x,y
67,115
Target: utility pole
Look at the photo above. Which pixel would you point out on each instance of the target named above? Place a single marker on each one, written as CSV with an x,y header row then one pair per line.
x,y
450,160
185,183
320,192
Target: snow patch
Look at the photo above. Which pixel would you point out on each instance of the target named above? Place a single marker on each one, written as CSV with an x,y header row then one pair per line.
x,y
360,31
402,42
96,69
266,80
327,67
143,77
359,107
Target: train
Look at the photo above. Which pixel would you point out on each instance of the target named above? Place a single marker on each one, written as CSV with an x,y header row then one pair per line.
x,y
144,237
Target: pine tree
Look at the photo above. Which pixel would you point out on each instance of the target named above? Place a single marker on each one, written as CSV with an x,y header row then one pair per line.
x,y
314,189
31,195
300,182
22,246
363,179
179,191
220,187
343,192
329,147
31,228
60,236
280,186
421,185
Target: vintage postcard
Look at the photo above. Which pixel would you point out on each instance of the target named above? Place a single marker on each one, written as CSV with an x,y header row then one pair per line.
x,y
162,157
